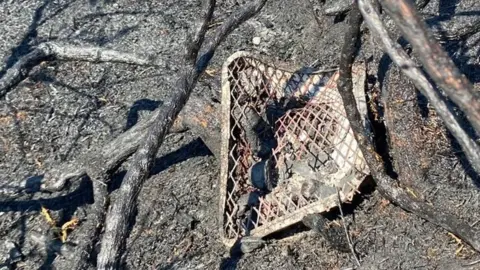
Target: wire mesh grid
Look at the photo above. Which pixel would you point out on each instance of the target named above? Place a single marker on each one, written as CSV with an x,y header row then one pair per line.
x,y
287,146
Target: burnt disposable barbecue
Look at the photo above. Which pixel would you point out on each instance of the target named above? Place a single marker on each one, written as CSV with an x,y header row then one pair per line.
x,y
286,146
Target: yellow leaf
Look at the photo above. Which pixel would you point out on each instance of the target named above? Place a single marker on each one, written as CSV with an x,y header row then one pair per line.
x,y
38,162
214,24
69,225
458,250
47,216
63,237
411,192
210,72
458,240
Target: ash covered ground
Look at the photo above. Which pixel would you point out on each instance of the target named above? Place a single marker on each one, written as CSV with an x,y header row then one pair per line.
x,y
66,108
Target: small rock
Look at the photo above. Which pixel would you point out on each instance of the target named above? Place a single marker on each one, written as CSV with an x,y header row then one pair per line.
x,y
256,40
33,184
258,175
249,199
248,244
246,200
268,24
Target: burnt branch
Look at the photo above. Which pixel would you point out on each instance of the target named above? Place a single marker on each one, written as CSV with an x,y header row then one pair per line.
x,y
194,45
435,60
409,68
93,54
20,70
116,228
199,115
387,186
55,51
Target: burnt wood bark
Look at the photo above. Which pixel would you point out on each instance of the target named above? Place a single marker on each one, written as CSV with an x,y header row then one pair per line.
x,y
56,51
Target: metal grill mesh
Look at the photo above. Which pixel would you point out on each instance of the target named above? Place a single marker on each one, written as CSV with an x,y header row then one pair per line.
x,y
286,146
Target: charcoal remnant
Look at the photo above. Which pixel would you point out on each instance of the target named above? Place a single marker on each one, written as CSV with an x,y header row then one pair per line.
x,y
334,235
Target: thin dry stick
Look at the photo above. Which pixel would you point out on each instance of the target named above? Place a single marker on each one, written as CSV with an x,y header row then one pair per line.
x,y
194,45
122,209
408,67
55,51
435,60
471,263
386,185
349,240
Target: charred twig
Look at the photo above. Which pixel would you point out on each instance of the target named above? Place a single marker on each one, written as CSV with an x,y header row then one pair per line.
x,y
408,67
122,209
349,240
20,70
194,45
435,60
55,51
386,185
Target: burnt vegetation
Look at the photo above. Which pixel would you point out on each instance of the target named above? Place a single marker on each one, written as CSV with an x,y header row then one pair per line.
x,y
90,147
